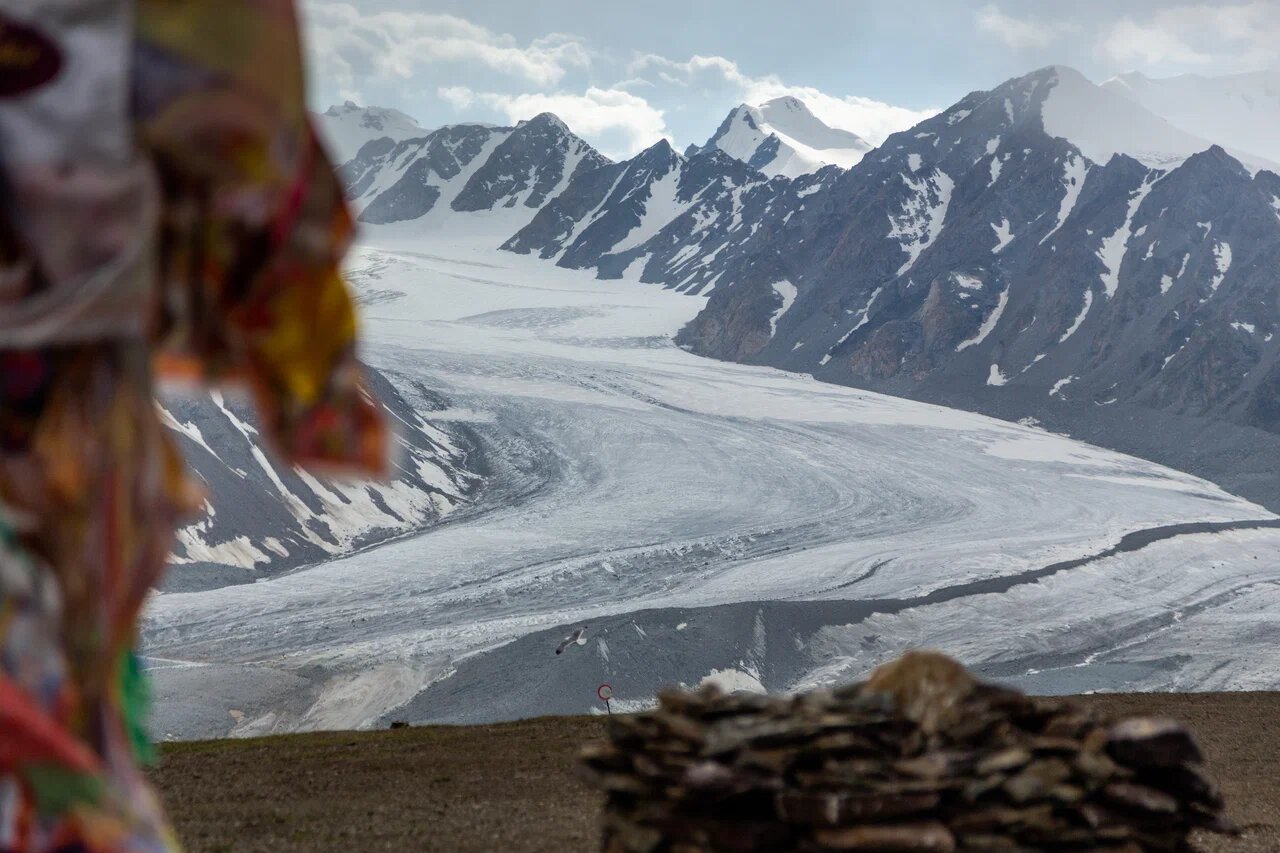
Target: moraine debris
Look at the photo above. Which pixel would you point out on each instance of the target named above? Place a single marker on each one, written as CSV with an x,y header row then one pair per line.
x,y
920,757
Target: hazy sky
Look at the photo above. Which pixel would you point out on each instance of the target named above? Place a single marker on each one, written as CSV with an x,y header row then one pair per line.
x,y
623,74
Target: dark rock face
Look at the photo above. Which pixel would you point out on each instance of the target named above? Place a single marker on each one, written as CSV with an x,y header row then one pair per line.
x,y
677,213
413,196
554,226
533,159
424,166
263,517
470,168
359,172
766,153
624,208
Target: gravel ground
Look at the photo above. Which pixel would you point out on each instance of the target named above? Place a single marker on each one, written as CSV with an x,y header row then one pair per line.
x,y
511,787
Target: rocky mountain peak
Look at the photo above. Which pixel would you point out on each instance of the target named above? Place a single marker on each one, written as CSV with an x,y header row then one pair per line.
x,y
546,121
347,106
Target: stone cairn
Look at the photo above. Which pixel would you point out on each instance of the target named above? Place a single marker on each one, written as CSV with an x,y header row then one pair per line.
x,y
920,757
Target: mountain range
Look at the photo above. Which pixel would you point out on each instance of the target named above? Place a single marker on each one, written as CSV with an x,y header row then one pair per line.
x,y
1049,251
1049,248
1243,110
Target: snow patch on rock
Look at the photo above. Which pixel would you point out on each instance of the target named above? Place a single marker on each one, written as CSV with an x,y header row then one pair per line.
x,y
988,326
1116,246
922,216
1084,312
787,292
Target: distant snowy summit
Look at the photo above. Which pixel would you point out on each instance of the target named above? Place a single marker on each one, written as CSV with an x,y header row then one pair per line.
x,y
784,137
1111,119
1238,111
349,126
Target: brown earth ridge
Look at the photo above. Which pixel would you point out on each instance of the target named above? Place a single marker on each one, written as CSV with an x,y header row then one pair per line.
x,y
514,787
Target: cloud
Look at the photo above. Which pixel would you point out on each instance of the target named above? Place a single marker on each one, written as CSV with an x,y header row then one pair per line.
x,y
362,55
871,119
697,70
1017,33
623,122
458,97
1240,35
1217,37
354,47
1130,41
634,82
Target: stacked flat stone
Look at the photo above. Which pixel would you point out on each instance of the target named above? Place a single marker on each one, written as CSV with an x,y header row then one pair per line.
x,y
921,757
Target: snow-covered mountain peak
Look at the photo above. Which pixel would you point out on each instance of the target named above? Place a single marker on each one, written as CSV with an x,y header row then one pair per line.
x,y
790,115
342,109
791,118
347,127
1239,111
785,103
783,137
1102,122
379,118
1263,83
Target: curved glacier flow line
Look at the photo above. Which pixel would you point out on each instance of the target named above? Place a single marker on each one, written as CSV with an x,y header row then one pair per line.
x,y
751,631
629,479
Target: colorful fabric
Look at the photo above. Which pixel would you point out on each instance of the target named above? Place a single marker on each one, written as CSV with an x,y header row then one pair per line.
x,y
164,207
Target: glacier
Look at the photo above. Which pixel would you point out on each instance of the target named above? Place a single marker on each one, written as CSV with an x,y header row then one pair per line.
x,y
706,517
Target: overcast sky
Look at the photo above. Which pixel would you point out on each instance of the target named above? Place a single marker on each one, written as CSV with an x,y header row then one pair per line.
x,y
623,74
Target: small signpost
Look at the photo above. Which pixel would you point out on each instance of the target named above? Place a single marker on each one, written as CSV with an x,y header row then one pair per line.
x,y
605,692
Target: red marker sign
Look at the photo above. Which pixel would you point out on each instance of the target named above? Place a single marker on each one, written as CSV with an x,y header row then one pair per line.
x,y
605,692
